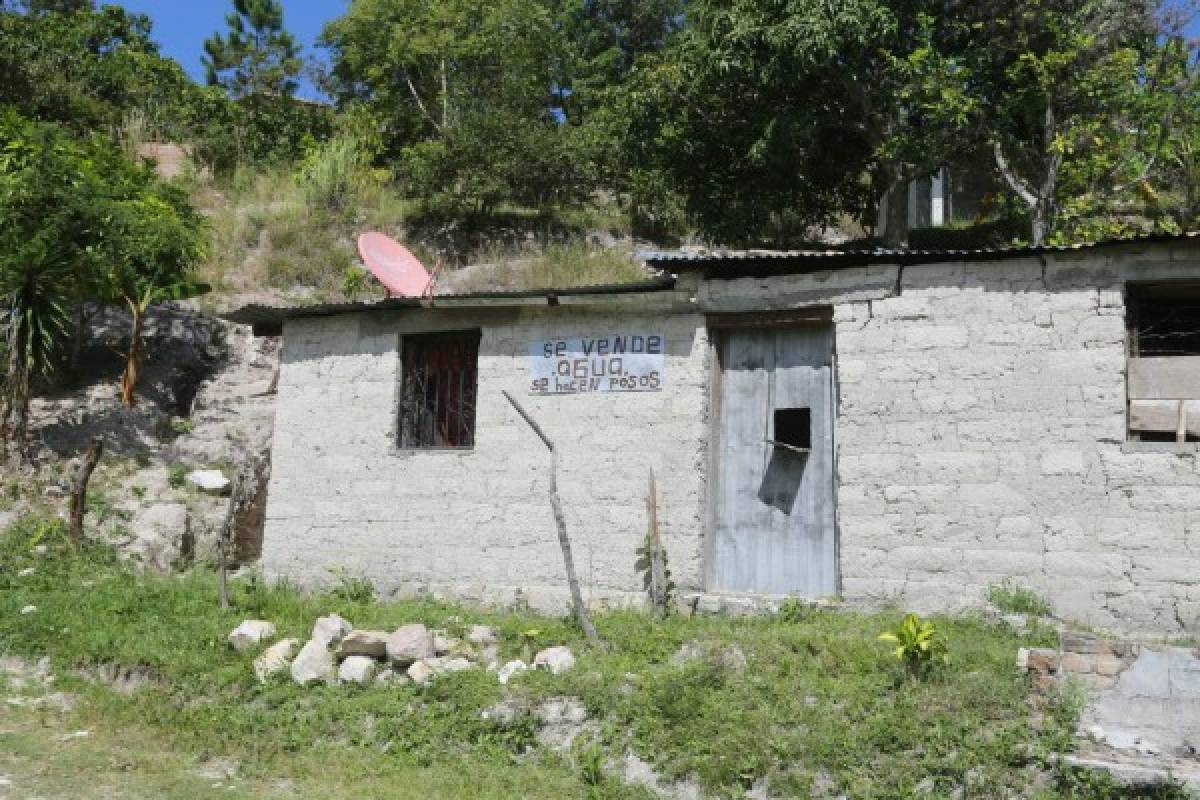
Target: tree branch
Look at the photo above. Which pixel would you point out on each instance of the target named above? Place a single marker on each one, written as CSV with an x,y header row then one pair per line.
x,y
560,521
1014,181
420,103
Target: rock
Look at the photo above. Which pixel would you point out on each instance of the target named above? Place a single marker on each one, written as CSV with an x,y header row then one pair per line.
x,y
733,659
443,643
1096,734
27,610
27,572
1023,659
687,653
409,644
372,644
331,630
512,668
162,535
275,659
313,664
420,673
556,659
358,669
443,665
250,633
41,549
389,677
209,481
482,635
490,656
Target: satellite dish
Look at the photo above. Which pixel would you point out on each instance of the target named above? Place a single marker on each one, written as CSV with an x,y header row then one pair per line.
x,y
396,268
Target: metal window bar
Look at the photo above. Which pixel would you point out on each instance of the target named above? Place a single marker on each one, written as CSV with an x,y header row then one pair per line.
x,y
439,384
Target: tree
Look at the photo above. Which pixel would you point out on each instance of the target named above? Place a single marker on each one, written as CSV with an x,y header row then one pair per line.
x,y
1068,99
258,57
149,239
42,244
82,223
468,96
766,108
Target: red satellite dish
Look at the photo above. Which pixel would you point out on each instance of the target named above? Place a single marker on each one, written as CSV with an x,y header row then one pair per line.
x,y
396,268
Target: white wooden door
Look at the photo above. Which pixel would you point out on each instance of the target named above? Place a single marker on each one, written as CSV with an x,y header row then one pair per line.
x,y
774,506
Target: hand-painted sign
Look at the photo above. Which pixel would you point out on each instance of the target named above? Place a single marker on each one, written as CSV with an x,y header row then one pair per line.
x,y
611,363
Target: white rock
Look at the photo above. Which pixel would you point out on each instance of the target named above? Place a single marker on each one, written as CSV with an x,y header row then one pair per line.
x,y
313,664
331,630
482,635
506,673
443,665
409,644
443,643
358,669
556,659
27,610
389,677
41,549
209,481
250,633
1096,734
420,673
275,659
363,643
27,572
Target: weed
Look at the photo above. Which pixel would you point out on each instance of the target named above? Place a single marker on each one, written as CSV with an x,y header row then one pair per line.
x,y
1014,599
138,491
352,588
177,476
182,426
919,645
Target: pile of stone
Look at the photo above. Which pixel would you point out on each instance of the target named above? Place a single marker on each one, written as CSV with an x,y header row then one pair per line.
x,y
337,653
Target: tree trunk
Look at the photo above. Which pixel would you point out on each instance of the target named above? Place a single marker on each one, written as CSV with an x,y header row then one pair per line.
x,y
133,358
659,591
893,216
78,339
15,423
79,484
560,522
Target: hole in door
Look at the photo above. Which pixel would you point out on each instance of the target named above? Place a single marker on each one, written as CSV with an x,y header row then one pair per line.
x,y
793,427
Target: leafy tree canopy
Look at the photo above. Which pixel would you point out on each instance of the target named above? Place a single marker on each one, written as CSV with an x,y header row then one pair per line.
x,y
257,56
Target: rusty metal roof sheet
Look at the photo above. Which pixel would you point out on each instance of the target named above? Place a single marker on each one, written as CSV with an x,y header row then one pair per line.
x,y
271,316
738,263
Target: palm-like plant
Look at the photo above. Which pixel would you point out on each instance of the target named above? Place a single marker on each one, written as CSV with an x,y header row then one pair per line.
x,y
40,177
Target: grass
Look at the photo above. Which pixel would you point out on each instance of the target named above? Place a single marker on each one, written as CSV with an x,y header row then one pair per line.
x,y
820,702
1012,598
296,229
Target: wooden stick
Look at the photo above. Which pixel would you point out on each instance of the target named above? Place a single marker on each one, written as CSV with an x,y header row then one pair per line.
x,y
560,521
658,572
223,541
79,484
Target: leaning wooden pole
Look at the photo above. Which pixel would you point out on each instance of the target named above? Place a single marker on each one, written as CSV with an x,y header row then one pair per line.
x,y
560,521
225,542
83,474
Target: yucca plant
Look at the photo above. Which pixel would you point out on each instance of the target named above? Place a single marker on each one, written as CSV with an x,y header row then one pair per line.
x,y
919,645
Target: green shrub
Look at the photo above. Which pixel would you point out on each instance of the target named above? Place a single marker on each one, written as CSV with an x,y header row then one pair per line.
x,y
1014,599
919,645
177,475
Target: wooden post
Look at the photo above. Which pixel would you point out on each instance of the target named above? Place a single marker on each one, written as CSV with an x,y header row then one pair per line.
x,y
560,521
79,484
658,567
224,540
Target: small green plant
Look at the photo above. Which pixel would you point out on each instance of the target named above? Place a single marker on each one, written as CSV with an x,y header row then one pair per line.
x,y
354,281
177,476
591,765
182,426
794,610
1015,599
529,641
138,491
352,588
919,645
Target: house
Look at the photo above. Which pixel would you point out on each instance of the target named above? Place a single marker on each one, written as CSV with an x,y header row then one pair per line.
x,y
876,426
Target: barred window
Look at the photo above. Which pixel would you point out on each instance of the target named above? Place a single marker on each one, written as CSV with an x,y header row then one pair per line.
x,y
438,387
1164,361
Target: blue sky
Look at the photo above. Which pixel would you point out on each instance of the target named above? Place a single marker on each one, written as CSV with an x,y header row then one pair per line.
x,y
181,26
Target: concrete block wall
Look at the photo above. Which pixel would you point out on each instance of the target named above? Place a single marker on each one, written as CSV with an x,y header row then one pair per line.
x,y
982,436
477,524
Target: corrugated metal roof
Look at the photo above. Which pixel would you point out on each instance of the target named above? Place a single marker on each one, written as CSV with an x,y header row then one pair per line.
x,y
765,262
263,315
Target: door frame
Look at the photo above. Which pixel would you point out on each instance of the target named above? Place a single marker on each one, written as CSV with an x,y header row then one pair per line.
x,y
718,325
